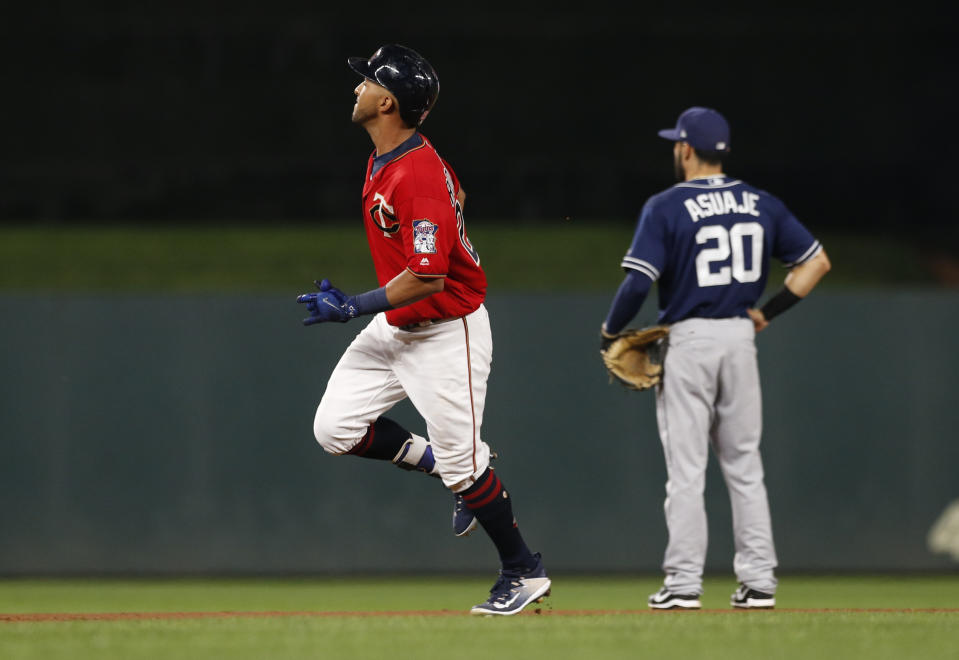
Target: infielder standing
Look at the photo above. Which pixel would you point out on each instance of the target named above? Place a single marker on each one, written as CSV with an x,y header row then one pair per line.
x,y
707,241
429,338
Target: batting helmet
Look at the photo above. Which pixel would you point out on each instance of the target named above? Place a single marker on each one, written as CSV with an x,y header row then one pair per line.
x,y
406,74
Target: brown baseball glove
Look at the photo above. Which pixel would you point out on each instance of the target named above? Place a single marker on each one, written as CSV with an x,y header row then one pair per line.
x,y
635,357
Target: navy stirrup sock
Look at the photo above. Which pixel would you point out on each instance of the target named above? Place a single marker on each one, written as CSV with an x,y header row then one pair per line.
x,y
383,440
490,503
386,440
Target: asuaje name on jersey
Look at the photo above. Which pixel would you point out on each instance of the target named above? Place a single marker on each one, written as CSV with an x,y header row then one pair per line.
x,y
716,202
708,242
414,221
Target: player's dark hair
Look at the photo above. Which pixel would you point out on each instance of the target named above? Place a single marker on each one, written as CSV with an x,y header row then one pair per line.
x,y
710,157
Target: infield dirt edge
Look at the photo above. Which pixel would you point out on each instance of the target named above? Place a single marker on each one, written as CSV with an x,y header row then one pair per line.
x,y
41,617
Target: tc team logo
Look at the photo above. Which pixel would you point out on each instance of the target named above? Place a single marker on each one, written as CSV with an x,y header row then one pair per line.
x,y
383,215
424,236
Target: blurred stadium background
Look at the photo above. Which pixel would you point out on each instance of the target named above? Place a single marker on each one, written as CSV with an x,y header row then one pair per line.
x,y
172,174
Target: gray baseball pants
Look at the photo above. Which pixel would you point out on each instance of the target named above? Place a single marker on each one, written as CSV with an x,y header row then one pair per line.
x,y
710,396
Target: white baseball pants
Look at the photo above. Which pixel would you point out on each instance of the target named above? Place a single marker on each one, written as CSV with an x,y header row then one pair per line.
x,y
442,368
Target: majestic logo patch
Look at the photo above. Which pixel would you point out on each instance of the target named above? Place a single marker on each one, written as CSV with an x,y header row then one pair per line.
x,y
383,215
424,236
424,262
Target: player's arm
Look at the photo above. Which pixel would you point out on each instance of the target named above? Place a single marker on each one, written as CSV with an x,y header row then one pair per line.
x,y
629,298
461,198
407,288
331,304
800,281
803,278
642,264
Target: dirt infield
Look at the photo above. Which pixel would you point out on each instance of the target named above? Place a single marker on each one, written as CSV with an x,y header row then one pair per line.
x,y
160,616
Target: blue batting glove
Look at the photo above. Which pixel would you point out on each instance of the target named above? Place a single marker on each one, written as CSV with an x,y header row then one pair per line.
x,y
330,304
347,303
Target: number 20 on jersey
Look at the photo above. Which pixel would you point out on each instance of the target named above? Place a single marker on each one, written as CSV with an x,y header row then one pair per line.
x,y
729,242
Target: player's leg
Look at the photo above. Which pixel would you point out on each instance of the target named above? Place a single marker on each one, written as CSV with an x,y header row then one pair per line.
x,y
444,372
349,418
684,415
361,388
737,434
387,440
448,366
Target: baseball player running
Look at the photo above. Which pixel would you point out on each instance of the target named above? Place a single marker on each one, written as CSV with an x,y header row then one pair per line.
x,y
707,241
429,338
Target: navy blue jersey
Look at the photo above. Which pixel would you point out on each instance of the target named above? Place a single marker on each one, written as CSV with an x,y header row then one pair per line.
x,y
708,241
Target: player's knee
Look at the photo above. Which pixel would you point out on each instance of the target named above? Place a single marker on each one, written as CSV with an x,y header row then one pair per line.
x,y
332,437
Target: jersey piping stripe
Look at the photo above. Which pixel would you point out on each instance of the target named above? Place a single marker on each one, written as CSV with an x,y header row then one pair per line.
x,y
640,263
815,249
642,269
469,373
708,185
424,275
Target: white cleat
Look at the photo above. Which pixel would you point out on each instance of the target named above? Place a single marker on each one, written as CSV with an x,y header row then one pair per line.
x,y
664,599
750,599
514,590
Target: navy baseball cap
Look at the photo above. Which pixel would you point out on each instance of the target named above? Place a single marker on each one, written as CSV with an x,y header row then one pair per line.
x,y
701,128
406,75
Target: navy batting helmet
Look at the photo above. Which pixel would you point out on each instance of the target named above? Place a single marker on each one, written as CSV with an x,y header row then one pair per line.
x,y
406,74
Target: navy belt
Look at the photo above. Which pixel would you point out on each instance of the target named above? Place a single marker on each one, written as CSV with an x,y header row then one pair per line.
x,y
427,323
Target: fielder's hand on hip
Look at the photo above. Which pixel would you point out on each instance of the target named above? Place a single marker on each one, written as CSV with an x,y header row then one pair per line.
x,y
758,318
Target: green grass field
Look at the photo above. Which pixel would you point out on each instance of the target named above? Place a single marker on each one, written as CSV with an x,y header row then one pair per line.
x,y
586,617
579,255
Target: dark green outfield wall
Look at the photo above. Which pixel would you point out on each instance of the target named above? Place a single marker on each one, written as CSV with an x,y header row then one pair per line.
x,y
170,434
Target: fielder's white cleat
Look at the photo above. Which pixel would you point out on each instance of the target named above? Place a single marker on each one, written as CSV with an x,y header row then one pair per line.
x,y
750,599
664,599
514,590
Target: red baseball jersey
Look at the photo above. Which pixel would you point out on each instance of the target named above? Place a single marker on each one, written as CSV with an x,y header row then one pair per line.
x,y
414,222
